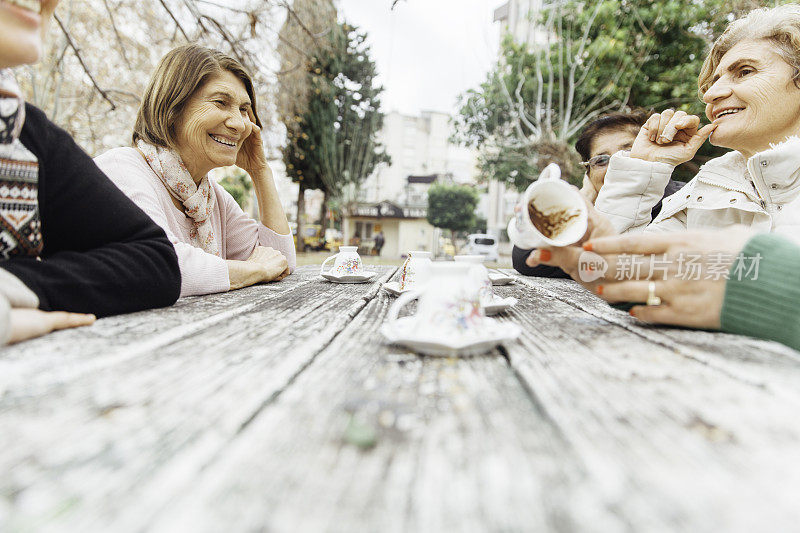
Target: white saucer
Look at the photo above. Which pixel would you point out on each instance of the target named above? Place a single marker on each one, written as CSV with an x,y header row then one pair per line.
x,y
498,278
349,278
393,287
498,305
406,332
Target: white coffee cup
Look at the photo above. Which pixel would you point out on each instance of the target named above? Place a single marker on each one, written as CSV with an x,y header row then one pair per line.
x,y
348,262
549,194
479,275
448,305
415,270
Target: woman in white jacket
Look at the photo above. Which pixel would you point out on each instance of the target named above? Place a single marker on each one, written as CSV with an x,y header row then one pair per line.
x,y
750,83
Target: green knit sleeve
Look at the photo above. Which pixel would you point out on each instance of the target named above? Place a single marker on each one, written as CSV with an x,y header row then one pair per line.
x,y
762,295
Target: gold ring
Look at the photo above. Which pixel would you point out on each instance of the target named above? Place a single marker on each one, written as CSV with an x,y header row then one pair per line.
x,y
652,299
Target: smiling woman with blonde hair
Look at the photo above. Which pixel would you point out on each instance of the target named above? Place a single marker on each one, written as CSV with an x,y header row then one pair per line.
x,y
199,113
739,278
750,83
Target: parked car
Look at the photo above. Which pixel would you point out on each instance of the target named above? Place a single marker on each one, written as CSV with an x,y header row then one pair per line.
x,y
446,248
333,239
482,244
317,238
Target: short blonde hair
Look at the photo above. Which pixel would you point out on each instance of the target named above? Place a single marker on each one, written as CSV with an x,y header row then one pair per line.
x,y
178,75
778,25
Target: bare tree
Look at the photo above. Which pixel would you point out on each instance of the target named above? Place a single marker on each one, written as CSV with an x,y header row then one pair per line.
x,y
100,54
306,28
557,64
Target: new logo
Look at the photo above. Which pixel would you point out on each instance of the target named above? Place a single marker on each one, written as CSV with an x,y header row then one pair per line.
x,y
591,267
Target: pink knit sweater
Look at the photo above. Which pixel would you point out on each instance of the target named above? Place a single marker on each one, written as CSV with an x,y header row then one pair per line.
x,y
237,233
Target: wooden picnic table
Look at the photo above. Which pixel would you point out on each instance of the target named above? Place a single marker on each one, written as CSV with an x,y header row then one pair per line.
x,y
280,408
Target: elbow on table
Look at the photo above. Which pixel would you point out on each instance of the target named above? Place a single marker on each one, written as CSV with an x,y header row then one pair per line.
x,y
166,283
518,256
291,259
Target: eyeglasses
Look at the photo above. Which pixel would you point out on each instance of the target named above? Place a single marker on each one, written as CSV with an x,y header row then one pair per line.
x,y
597,161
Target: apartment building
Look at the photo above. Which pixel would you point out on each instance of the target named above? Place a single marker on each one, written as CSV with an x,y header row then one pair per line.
x,y
394,198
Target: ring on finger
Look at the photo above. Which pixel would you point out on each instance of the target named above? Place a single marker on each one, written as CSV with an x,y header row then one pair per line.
x,y
652,299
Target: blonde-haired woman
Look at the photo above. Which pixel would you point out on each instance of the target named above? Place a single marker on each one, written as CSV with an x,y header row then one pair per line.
x,y
750,83
744,278
199,113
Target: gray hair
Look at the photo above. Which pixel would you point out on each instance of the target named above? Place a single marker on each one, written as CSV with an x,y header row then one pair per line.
x,y
778,25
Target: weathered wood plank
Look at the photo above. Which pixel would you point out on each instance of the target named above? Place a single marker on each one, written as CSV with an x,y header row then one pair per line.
x,y
59,358
751,360
263,420
679,443
459,446
107,448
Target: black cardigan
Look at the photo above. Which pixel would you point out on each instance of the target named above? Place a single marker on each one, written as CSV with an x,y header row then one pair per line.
x,y
519,255
102,254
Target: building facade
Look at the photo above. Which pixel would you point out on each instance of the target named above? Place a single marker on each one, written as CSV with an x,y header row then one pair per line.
x,y
404,228
394,198
520,19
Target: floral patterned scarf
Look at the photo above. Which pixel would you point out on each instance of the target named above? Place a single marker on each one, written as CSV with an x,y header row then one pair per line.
x,y
20,226
197,199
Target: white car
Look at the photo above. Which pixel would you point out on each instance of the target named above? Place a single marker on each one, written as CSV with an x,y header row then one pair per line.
x,y
482,244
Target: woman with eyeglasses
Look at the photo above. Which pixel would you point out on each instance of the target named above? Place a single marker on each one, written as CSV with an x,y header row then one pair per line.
x,y
600,140
743,207
750,84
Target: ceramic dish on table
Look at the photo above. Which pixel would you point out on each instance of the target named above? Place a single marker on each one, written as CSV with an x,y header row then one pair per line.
x,y
449,320
360,277
489,334
498,278
393,287
498,304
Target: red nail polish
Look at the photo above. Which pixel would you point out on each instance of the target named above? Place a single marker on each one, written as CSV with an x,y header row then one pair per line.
x,y
545,255
599,290
632,313
587,246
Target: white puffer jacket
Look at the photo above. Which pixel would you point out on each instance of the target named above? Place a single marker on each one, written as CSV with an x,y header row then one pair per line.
x,y
761,192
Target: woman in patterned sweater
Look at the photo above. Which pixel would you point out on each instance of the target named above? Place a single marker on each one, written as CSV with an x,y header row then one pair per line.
x,y
70,241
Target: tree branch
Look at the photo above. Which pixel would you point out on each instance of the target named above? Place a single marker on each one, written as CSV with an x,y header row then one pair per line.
x,y
118,36
102,92
175,20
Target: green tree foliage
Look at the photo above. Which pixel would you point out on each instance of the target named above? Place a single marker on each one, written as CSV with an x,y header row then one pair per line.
x,y
479,226
332,139
306,30
238,184
452,207
589,58
336,143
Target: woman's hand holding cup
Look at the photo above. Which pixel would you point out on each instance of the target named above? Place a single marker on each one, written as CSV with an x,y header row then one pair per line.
x,y
567,257
685,297
671,137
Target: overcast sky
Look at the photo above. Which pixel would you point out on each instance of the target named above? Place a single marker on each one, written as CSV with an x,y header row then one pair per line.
x,y
427,51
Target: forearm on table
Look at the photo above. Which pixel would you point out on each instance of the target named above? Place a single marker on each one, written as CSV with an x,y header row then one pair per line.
x,y
243,273
765,302
201,272
269,205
